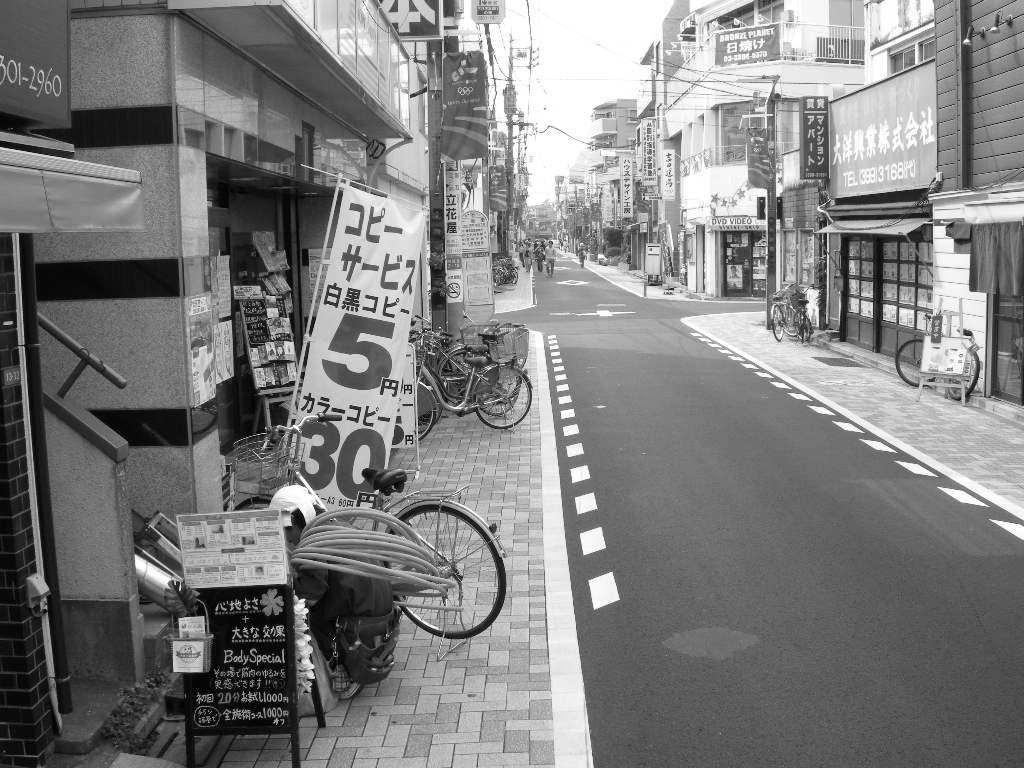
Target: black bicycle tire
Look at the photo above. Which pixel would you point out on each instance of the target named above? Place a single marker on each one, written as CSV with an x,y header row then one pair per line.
x,y
426,420
976,371
806,331
908,364
778,323
428,506
488,414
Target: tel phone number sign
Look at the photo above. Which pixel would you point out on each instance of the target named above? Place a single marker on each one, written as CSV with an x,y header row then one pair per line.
x,y
356,356
34,63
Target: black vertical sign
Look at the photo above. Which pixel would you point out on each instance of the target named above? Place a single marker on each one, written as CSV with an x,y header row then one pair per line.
x,y
251,685
814,134
760,170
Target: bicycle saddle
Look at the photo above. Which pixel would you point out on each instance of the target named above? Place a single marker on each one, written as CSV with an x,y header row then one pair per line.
x,y
387,481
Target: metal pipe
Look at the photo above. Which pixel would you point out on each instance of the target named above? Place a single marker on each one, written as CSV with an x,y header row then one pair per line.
x,y
86,357
37,427
153,580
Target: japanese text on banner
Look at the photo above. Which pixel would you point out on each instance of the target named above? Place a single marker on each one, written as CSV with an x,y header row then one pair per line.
x,y
357,348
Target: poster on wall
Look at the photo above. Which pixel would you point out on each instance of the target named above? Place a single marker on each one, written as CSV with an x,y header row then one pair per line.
x,y
357,350
201,347
223,350
223,285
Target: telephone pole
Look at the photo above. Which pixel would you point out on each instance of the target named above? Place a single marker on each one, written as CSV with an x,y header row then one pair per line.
x,y
510,109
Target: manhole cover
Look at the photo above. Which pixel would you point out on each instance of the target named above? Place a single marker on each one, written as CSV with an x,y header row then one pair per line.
x,y
839,362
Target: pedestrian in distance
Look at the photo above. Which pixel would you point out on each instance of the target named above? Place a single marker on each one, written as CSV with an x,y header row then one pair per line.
x,y
538,255
581,254
549,257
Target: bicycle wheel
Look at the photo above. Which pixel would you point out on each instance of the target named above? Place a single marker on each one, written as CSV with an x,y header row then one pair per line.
x,y
974,371
464,551
507,397
428,409
778,322
804,328
908,361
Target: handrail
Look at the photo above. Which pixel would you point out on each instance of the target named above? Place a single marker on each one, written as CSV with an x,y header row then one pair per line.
x,y
85,358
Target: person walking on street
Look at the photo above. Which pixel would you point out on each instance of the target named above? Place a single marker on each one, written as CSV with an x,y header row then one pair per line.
x,y
549,257
581,254
538,255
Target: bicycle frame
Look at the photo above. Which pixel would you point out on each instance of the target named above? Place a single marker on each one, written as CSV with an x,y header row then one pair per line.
x,y
445,399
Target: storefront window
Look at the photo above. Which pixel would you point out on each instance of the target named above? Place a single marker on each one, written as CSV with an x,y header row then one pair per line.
x,y
1008,360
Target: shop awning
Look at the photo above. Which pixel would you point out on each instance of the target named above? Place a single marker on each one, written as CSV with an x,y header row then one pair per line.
x,y
873,227
42,193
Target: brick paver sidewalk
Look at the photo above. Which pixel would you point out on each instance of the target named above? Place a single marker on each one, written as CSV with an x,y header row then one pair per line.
x,y
489,703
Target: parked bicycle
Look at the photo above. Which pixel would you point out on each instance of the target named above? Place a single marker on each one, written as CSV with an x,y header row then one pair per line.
x,y
789,314
504,272
909,353
454,588
469,378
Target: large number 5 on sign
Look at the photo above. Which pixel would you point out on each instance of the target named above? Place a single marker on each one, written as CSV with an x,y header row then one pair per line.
x,y
348,340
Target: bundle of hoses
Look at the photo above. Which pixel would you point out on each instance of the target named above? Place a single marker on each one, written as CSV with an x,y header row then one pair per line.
x,y
391,551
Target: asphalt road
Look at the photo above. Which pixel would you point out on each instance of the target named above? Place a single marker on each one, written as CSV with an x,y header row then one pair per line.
x,y
754,584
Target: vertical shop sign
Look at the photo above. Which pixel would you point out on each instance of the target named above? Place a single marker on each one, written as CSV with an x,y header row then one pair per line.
x,y
814,131
626,185
452,209
668,174
356,351
648,151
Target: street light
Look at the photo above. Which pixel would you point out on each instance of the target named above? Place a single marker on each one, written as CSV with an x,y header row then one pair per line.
x,y
771,202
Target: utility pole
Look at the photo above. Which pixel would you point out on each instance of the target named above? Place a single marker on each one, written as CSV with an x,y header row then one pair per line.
x,y
510,109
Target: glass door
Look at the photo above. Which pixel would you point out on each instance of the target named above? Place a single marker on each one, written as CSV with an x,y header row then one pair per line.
x,y
1008,348
860,302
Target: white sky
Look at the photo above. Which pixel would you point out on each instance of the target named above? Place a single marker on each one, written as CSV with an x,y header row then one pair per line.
x,y
588,52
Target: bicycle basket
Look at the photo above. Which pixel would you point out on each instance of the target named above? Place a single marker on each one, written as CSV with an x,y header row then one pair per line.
x,y
473,334
260,463
509,342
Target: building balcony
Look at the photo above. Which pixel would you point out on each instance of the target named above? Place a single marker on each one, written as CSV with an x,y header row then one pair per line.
x,y
807,43
728,154
605,126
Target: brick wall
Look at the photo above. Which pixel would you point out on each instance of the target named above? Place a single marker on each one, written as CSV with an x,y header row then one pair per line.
x,y
25,720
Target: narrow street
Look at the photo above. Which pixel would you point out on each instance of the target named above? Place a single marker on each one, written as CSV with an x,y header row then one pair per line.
x,y
757,580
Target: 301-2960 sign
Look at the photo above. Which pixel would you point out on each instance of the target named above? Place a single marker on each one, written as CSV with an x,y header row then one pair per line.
x,y
356,354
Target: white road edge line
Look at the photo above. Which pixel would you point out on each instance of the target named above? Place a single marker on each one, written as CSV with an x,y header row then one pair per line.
x,y
974,487
570,727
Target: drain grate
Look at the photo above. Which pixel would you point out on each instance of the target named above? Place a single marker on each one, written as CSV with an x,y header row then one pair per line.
x,y
839,362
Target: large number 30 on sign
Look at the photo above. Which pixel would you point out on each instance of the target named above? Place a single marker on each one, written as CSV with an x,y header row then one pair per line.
x,y
357,349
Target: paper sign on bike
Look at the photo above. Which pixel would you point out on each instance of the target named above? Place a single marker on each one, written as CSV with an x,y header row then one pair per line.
x,y
947,358
356,351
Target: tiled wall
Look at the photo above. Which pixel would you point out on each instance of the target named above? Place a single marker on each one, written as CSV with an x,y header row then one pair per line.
x,y
25,728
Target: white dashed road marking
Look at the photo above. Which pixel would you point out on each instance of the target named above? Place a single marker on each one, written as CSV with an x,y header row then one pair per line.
x,y
963,496
798,396
585,503
564,400
917,469
568,413
1015,528
572,429
820,409
878,446
603,590
592,541
576,449
579,474
847,426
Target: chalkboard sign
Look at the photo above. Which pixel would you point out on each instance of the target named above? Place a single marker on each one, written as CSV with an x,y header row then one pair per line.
x,y
250,687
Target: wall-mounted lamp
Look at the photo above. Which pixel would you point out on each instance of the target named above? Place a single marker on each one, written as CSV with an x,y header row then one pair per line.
x,y
971,34
999,21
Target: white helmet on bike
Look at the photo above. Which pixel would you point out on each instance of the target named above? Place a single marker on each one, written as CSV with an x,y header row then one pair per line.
x,y
298,501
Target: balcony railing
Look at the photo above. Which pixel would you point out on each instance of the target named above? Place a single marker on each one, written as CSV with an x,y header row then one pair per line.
x,y
818,43
726,154
603,126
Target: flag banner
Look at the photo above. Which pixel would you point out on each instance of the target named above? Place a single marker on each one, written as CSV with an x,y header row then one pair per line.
x,y
357,347
759,160
464,106
498,189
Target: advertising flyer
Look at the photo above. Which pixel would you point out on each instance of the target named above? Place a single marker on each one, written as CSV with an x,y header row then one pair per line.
x,y
225,549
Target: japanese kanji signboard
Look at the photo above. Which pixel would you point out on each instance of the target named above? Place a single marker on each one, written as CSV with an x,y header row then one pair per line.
x,y
356,351
452,209
668,174
648,149
747,45
626,186
814,131
885,136
251,685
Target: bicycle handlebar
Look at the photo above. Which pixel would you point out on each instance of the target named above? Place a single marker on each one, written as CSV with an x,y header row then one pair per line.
x,y
317,417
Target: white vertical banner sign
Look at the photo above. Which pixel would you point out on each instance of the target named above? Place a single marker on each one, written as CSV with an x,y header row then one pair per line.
x,y
626,186
454,280
357,347
668,174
